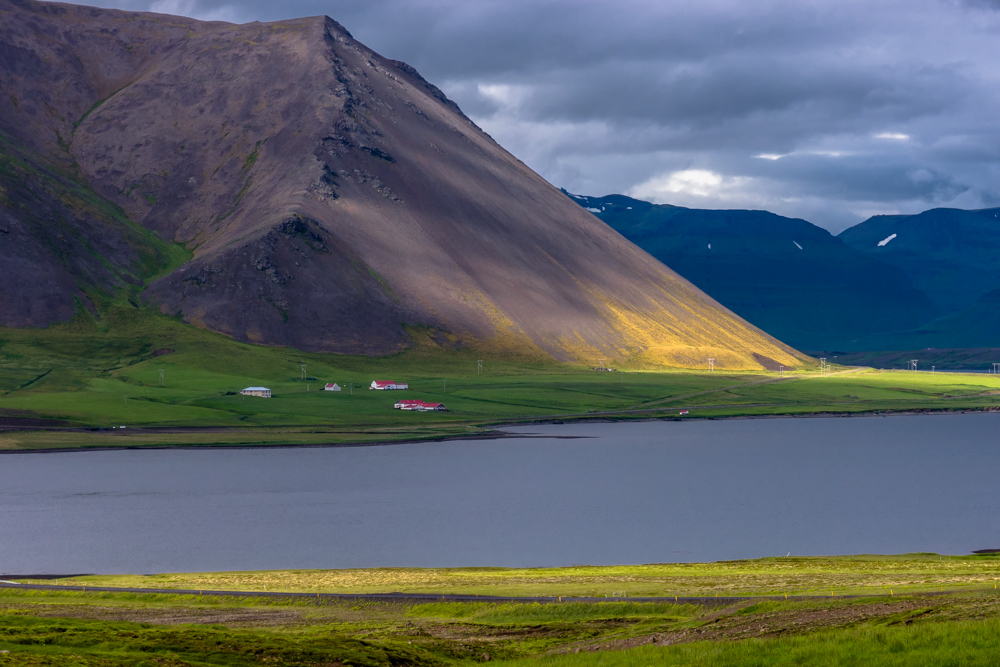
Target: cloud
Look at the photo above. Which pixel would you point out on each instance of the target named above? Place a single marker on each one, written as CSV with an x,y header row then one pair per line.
x,y
826,111
687,183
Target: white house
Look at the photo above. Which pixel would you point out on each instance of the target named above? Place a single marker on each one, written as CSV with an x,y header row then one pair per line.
x,y
418,406
385,385
262,392
331,386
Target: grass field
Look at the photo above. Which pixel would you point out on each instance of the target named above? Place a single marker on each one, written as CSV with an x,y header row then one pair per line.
x,y
99,374
110,629
791,576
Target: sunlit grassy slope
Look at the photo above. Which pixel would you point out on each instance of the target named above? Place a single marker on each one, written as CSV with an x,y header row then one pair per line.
x,y
97,374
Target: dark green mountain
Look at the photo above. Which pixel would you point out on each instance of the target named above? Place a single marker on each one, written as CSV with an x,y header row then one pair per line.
x,y
786,276
951,255
976,325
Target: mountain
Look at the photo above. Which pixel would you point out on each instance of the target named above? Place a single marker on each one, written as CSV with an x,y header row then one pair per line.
x,y
977,325
315,195
951,255
786,276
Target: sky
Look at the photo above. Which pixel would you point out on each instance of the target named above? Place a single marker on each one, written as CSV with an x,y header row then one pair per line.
x,y
831,111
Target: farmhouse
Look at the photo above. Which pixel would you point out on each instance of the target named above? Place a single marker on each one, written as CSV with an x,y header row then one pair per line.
x,y
419,406
331,386
384,385
262,392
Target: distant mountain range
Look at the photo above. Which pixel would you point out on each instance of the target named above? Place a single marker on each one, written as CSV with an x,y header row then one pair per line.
x,y
283,184
889,283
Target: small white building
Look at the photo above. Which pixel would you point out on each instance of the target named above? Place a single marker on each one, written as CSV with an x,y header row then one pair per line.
x,y
419,406
331,386
387,385
262,392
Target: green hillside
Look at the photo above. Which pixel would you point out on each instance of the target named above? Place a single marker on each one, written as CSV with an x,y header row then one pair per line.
x,y
75,385
786,276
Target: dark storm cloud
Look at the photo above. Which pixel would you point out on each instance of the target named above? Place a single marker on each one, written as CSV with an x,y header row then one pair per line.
x,y
830,111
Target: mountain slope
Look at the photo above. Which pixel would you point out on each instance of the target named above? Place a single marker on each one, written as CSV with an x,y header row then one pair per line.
x,y
951,255
333,198
784,275
62,246
977,325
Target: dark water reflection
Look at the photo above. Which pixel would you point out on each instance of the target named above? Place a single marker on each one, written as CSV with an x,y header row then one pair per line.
x,y
625,493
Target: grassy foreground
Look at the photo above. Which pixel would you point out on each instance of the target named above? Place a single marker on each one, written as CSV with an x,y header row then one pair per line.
x,y
109,629
93,375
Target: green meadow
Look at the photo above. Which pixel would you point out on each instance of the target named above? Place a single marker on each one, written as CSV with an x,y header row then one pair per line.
x,y
97,375
914,622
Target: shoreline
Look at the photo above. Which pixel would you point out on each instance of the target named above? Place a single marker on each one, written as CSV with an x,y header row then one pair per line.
x,y
495,434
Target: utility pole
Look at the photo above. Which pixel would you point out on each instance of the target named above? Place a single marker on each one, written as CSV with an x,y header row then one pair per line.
x,y
781,369
479,369
162,371
822,364
711,365
913,364
601,364
303,371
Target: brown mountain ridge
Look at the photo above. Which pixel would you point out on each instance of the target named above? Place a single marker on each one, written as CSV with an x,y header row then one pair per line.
x,y
332,199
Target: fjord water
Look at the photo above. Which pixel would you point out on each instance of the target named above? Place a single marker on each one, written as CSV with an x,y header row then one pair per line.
x,y
598,493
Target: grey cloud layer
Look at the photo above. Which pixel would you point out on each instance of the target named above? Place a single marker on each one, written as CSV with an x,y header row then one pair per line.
x,y
859,107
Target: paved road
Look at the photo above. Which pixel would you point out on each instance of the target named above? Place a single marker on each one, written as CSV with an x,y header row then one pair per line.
x,y
428,597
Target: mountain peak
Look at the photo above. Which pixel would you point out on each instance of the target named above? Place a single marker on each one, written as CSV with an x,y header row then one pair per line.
x,y
333,198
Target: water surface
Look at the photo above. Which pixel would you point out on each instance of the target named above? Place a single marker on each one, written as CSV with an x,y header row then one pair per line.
x,y
583,493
